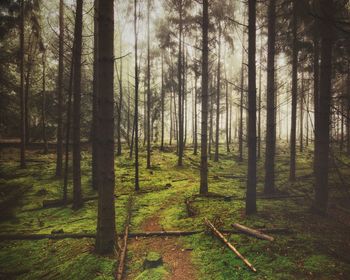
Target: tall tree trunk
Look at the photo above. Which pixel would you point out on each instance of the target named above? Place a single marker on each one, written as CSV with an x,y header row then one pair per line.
x,y
301,113
43,108
22,94
251,175
342,111
294,92
211,121
195,147
68,126
120,106
348,112
171,119
218,89
204,122
106,233
321,186
259,101
95,159
307,113
162,105
148,89
269,186
227,121
59,144
77,195
136,114
240,133
128,114
316,70
179,70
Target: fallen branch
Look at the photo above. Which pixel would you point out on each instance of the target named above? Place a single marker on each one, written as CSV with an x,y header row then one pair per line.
x,y
252,232
219,235
120,270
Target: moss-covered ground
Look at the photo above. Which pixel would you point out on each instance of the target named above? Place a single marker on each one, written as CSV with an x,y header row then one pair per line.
x,y
318,247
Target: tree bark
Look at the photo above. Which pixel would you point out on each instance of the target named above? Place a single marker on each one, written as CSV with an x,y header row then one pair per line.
x,y
148,88
43,108
120,105
269,186
106,233
321,186
218,89
227,121
204,122
162,104
59,147
294,92
136,113
251,175
77,195
22,94
316,70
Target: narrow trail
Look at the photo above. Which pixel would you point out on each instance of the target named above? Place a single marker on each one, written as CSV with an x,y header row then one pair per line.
x,y
175,257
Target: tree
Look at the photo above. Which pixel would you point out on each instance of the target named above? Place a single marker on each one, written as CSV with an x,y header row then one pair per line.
x,y
43,108
59,146
251,180
148,88
204,124
106,234
295,52
269,186
77,195
136,114
95,158
326,32
22,94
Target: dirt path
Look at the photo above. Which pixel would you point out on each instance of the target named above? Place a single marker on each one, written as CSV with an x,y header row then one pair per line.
x,y
175,256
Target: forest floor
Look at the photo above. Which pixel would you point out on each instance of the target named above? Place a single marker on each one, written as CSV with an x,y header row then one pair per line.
x,y
317,247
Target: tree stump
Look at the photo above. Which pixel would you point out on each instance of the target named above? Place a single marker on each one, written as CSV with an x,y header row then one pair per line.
x,y
152,260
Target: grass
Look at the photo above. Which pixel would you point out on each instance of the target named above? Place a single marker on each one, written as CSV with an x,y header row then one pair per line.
x,y
318,248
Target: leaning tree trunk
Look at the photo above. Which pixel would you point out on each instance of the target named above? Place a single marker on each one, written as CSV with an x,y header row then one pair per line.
x,y
204,125
294,93
321,186
136,113
77,195
218,89
251,175
106,233
59,144
269,186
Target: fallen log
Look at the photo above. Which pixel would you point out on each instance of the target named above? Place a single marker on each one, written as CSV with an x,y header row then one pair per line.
x,y
122,256
252,232
33,236
219,235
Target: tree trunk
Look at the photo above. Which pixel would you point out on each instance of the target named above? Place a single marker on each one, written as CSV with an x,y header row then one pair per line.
x,y
294,93
180,105
22,94
301,113
77,195
240,133
106,233
60,85
162,105
316,70
43,108
227,121
95,160
136,114
218,89
148,89
269,186
259,104
251,175
195,147
321,186
204,122
120,106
